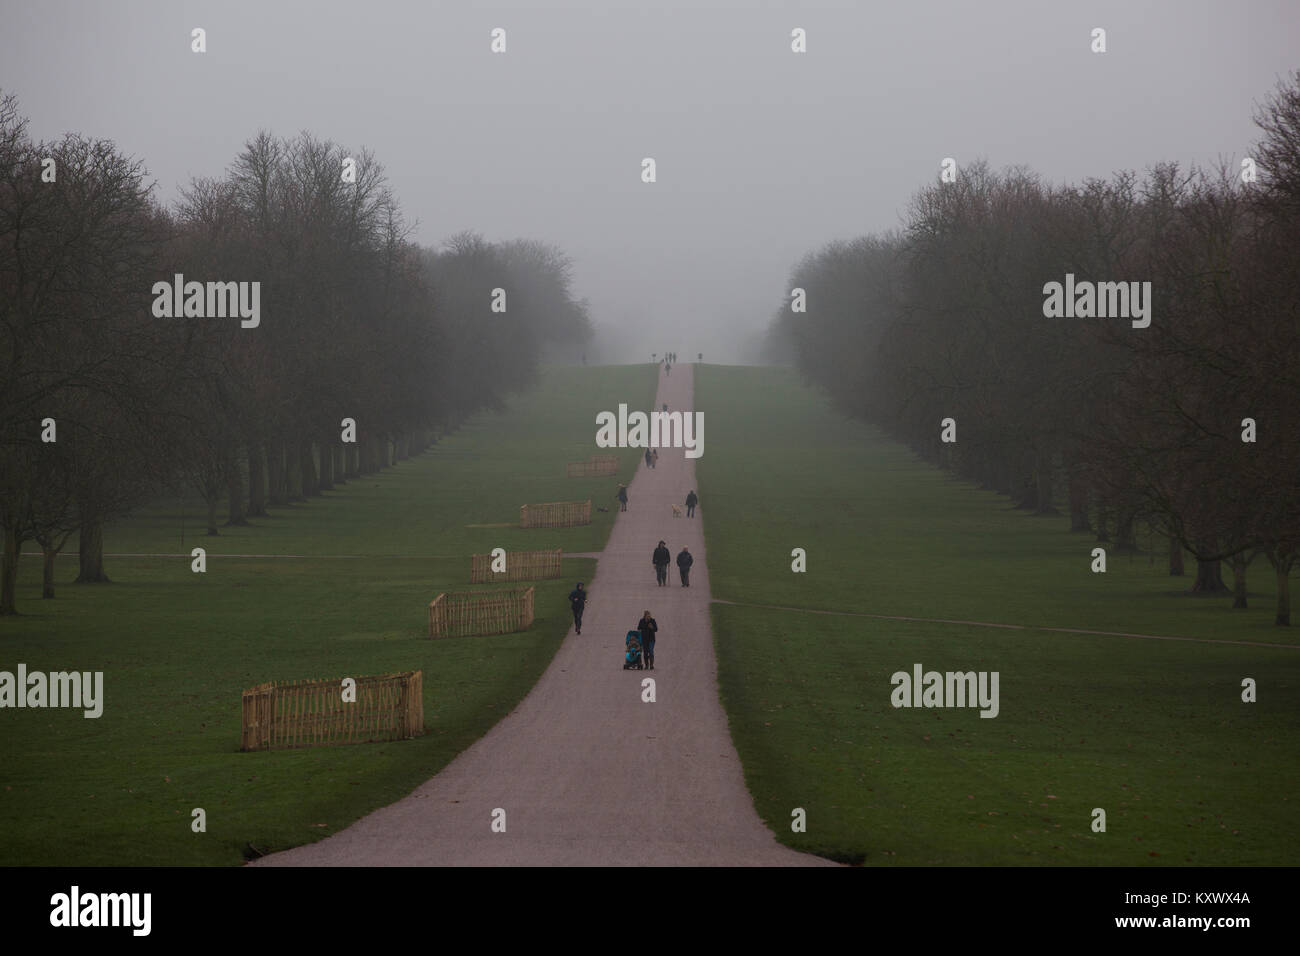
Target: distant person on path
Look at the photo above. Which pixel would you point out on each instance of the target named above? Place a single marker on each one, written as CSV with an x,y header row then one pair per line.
x,y
648,628
661,559
654,458
691,501
622,497
648,463
684,562
578,601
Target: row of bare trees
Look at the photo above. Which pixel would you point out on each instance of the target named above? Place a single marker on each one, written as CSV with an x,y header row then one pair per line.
x,y
1131,426
104,405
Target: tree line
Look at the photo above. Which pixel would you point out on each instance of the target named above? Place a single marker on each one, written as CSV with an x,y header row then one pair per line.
x,y
105,405
1189,426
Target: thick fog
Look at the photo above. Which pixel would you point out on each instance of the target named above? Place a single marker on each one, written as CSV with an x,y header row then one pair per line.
x,y
761,153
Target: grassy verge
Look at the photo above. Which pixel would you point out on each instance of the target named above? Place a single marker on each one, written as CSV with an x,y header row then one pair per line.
x,y
1153,732
177,648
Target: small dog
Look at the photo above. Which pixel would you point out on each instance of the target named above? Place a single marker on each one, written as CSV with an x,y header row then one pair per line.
x,y
677,511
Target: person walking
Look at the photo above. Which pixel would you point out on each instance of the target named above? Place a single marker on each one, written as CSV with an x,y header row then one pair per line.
x,y
654,458
684,562
578,601
648,628
648,462
661,559
692,500
622,497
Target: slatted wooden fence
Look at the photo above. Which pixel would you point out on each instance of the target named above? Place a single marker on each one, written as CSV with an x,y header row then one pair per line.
x,y
463,613
520,566
312,713
597,466
555,514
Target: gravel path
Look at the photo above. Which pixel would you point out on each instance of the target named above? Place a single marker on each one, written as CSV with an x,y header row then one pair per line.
x,y
586,772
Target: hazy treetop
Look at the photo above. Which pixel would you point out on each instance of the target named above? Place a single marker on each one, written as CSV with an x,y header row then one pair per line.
x,y
762,153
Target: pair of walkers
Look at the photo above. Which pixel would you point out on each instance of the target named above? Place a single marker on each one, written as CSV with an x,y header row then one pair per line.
x,y
651,457
662,556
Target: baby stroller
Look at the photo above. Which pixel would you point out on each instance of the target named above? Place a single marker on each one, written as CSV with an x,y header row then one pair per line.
x,y
632,659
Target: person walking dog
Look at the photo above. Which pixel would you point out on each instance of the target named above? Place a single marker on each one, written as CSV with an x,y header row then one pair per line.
x,y
684,562
661,559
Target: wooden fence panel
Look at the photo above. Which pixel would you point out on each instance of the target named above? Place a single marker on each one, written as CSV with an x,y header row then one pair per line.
x,y
555,514
466,613
597,466
520,566
313,713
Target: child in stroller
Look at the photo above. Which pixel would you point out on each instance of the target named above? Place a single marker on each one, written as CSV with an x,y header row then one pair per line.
x,y
632,656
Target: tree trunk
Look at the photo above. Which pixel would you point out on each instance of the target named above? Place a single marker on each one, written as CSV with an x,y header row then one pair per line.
x,y
362,452
1209,578
351,460
326,467
276,475
338,458
212,494
1079,505
1043,483
1238,564
9,571
293,471
1002,477
1175,558
1125,539
309,481
1103,533
235,488
256,482
91,558
1283,618
48,553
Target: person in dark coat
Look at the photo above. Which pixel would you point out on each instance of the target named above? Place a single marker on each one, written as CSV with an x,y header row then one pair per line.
x,y
622,497
691,501
578,601
648,628
662,558
647,458
684,562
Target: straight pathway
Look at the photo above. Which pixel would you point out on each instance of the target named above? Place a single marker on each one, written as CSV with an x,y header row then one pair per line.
x,y
586,772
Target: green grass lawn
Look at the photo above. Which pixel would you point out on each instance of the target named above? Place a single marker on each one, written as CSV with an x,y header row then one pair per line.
x,y
177,648
1153,732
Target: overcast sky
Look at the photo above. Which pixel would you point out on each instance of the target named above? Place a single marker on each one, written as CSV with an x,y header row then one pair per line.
x,y
762,154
